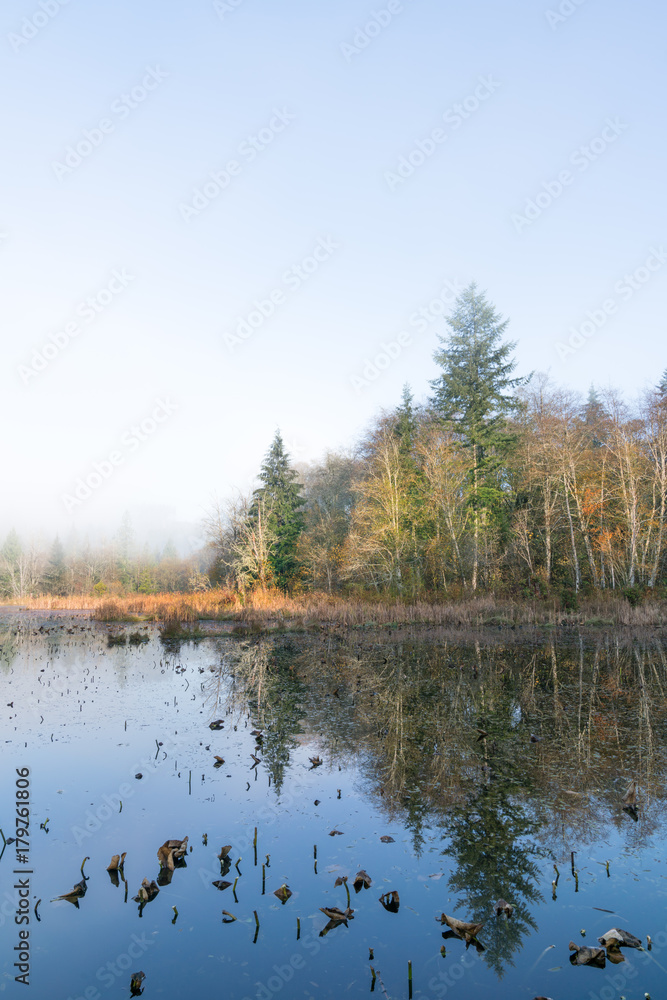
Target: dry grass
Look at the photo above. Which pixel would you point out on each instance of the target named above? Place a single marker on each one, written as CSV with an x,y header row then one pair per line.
x,y
268,609
151,607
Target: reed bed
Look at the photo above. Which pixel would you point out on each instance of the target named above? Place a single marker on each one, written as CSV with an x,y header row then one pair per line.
x,y
271,608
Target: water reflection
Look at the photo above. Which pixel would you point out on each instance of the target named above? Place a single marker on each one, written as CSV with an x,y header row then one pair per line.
x,y
485,761
515,753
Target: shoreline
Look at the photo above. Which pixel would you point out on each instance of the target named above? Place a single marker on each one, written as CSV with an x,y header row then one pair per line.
x,y
66,622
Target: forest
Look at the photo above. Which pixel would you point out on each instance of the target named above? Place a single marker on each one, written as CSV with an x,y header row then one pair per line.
x,y
494,484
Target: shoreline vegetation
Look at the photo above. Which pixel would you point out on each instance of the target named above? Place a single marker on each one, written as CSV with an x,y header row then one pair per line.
x,y
272,610
498,501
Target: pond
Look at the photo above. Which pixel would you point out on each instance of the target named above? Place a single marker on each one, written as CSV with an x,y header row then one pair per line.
x,y
455,772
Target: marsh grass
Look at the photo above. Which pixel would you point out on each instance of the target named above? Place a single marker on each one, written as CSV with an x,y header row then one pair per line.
x,y
119,639
271,610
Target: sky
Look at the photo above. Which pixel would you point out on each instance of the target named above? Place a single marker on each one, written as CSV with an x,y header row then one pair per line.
x,y
225,217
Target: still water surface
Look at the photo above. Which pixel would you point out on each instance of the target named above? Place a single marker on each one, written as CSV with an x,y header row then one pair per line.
x,y
398,727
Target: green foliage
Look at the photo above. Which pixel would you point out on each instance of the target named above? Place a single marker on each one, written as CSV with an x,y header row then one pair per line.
x,y
473,391
474,396
633,595
145,582
569,600
406,422
279,498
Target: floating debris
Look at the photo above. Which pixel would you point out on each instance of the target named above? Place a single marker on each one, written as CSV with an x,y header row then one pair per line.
x,y
171,852
77,892
615,938
390,901
116,862
461,928
386,839
362,880
336,915
587,956
147,891
136,989
504,907
283,893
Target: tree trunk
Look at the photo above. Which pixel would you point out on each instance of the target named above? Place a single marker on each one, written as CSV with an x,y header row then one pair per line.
x,y
575,558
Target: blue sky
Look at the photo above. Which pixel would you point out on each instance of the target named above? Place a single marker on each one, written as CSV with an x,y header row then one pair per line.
x,y
308,113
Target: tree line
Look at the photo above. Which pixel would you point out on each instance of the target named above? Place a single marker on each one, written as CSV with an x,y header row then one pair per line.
x,y
496,483
113,567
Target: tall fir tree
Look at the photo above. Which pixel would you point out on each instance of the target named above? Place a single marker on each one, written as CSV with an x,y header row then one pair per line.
x,y
406,421
595,418
55,577
474,395
278,499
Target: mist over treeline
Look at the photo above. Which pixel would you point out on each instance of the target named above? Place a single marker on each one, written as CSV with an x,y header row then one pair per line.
x,y
494,483
118,564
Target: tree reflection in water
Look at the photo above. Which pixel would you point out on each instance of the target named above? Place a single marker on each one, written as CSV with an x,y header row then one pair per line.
x,y
407,715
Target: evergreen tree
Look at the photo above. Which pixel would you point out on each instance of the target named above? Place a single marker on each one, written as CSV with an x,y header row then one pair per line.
x,y
55,577
595,418
125,542
278,499
662,385
406,421
473,394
